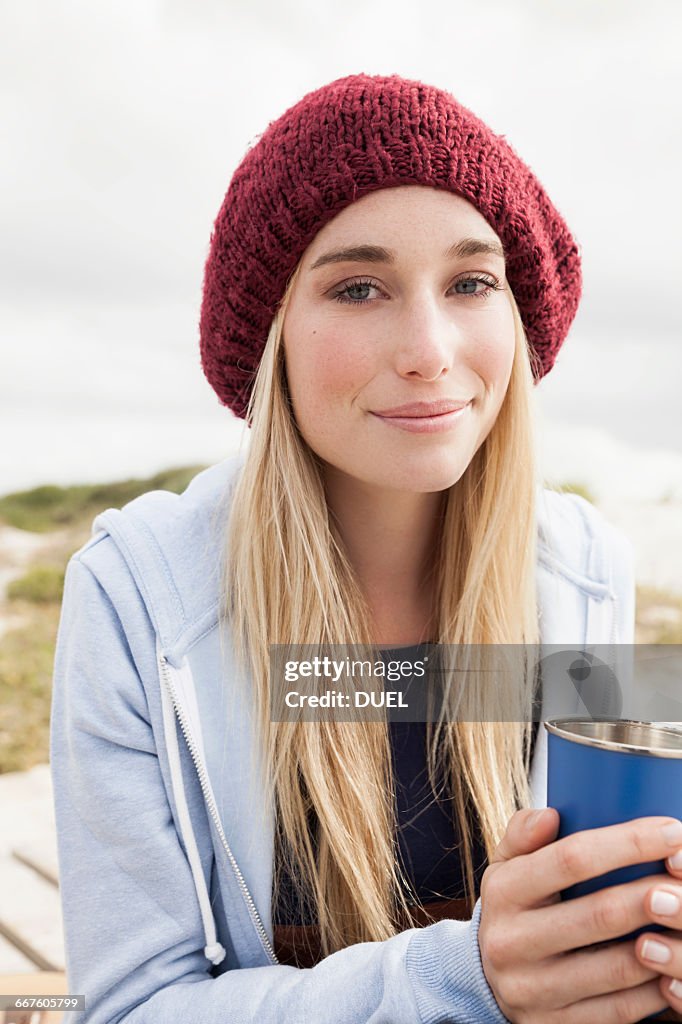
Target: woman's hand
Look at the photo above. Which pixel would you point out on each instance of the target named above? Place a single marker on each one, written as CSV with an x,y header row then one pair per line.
x,y
665,910
532,942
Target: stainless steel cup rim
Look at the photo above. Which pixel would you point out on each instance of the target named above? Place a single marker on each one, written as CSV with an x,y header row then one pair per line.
x,y
623,735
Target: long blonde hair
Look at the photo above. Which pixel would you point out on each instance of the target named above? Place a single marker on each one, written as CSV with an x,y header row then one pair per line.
x,y
288,578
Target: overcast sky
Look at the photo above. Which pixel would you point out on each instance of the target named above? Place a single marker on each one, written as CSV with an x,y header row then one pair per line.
x,y
122,124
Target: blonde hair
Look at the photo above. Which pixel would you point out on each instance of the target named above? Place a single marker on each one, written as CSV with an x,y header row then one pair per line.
x,y
287,578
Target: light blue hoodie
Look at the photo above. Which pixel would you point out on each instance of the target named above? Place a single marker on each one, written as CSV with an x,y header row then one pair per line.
x,y
165,842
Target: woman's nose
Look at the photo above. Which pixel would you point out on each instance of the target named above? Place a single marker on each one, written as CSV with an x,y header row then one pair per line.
x,y
426,340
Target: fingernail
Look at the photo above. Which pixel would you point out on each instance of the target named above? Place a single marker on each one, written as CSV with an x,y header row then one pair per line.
x,y
672,833
663,902
676,988
676,861
656,952
533,818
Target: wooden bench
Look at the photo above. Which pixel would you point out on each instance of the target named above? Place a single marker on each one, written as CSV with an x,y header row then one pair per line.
x,y
31,935
35,984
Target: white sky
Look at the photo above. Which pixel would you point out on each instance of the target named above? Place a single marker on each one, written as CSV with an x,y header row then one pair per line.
x,y
122,124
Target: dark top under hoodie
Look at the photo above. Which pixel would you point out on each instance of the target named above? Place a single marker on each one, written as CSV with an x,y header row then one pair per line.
x,y
428,838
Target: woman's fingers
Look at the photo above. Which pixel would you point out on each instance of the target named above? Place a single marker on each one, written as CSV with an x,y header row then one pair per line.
x,y
674,865
536,877
535,948
617,1005
591,973
663,902
528,830
631,1006
598,917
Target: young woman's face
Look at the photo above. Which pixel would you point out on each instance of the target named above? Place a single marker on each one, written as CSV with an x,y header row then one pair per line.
x,y
402,318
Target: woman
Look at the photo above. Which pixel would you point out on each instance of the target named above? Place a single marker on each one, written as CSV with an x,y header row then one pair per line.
x,y
378,247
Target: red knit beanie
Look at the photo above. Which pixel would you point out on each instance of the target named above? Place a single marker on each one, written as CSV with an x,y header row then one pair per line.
x,y
358,134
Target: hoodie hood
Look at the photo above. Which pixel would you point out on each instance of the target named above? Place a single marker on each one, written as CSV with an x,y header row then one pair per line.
x,y
173,546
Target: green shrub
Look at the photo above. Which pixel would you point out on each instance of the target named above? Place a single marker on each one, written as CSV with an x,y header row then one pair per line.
x,y
51,507
26,660
40,585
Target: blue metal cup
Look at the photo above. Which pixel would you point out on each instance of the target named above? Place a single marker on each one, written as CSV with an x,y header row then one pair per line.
x,y
603,771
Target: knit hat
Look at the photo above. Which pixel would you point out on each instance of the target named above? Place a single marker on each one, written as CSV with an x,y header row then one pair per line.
x,y
358,134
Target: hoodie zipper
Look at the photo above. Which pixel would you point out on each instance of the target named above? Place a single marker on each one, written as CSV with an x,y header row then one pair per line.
x,y
213,810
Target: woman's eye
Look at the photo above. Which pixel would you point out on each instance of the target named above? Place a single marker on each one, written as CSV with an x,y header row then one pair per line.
x,y
354,292
490,286
344,294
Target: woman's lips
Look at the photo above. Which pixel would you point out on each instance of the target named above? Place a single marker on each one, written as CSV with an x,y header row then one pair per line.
x,y
426,424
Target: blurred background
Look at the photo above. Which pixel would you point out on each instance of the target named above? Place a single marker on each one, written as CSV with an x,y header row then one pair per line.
x,y
122,124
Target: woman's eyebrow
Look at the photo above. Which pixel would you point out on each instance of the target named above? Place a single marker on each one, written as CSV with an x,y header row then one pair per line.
x,y
377,254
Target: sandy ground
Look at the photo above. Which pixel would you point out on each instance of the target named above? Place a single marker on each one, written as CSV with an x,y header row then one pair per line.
x,y
17,549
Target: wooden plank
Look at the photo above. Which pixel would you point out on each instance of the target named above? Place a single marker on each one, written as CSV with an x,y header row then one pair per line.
x,y
30,915
27,808
13,960
48,983
41,857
